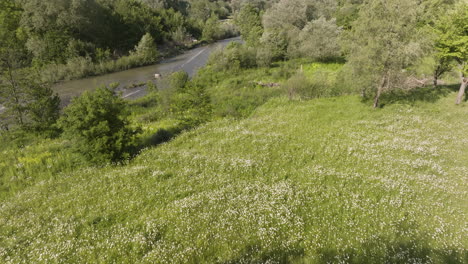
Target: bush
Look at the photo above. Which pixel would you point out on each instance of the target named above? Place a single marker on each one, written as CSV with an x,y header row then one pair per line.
x,y
146,50
178,80
97,124
192,106
211,30
321,83
318,40
180,35
297,86
234,57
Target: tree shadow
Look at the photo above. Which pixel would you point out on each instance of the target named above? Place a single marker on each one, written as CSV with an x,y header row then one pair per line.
x,y
384,250
422,94
399,248
252,253
162,136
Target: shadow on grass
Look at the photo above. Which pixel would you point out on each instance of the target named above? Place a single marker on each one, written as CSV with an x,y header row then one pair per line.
x,y
422,94
251,254
162,135
379,250
382,250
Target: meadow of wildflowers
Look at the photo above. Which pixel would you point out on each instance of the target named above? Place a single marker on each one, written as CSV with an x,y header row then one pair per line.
x,y
324,181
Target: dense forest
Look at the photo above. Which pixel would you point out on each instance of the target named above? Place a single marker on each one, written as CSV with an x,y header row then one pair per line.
x,y
73,33
334,132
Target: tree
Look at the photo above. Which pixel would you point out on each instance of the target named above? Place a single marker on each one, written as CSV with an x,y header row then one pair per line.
x,y
452,44
211,30
191,106
43,107
250,24
319,40
383,43
146,49
27,103
283,24
348,11
97,124
11,58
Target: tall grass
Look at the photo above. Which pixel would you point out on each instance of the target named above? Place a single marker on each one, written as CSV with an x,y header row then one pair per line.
x,y
321,181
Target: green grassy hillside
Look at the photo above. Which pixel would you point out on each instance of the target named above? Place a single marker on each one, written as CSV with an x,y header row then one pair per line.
x,y
328,180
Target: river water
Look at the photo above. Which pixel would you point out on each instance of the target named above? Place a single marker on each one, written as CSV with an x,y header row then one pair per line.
x,y
190,61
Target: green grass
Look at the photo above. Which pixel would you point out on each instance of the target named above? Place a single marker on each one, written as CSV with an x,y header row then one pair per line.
x,y
327,180
237,93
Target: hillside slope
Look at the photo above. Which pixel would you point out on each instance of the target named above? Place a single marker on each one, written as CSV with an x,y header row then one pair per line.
x,y
328,180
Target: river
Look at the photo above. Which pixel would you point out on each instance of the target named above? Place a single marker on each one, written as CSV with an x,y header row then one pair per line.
x,y
190,61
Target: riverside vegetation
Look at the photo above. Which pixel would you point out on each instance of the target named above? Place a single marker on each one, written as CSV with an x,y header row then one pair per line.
x,y
334,134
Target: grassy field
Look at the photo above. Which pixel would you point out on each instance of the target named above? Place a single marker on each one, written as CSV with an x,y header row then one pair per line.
x,y
322,181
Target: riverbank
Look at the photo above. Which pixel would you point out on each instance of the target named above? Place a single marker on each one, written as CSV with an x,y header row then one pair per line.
x,y
83,67
189,61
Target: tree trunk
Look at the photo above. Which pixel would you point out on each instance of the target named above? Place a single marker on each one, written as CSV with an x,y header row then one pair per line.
x,y
379,91
461,92
15,96
436,75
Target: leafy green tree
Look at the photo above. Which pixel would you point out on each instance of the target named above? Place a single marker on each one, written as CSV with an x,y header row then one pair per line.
x,y
211,30
284,22
273,47
383,43
43,107
319,40
26,102
452,45
192,106
97,124
347,12
147,50
250,26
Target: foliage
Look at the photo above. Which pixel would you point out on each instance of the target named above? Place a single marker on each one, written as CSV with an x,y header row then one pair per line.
x,y
273,47
146,49
211,30
180,35
43,108
452,43
191,106
250,24
234,57
382,44
449,40
178,80
58,37
97,124
318,40
347,12
28,103
297,27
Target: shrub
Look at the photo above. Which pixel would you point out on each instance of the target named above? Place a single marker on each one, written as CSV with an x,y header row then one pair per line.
x,y
178,80
180,35
192,106
43,109
97,124
297,86
234,57
211,30
318,40
146,50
